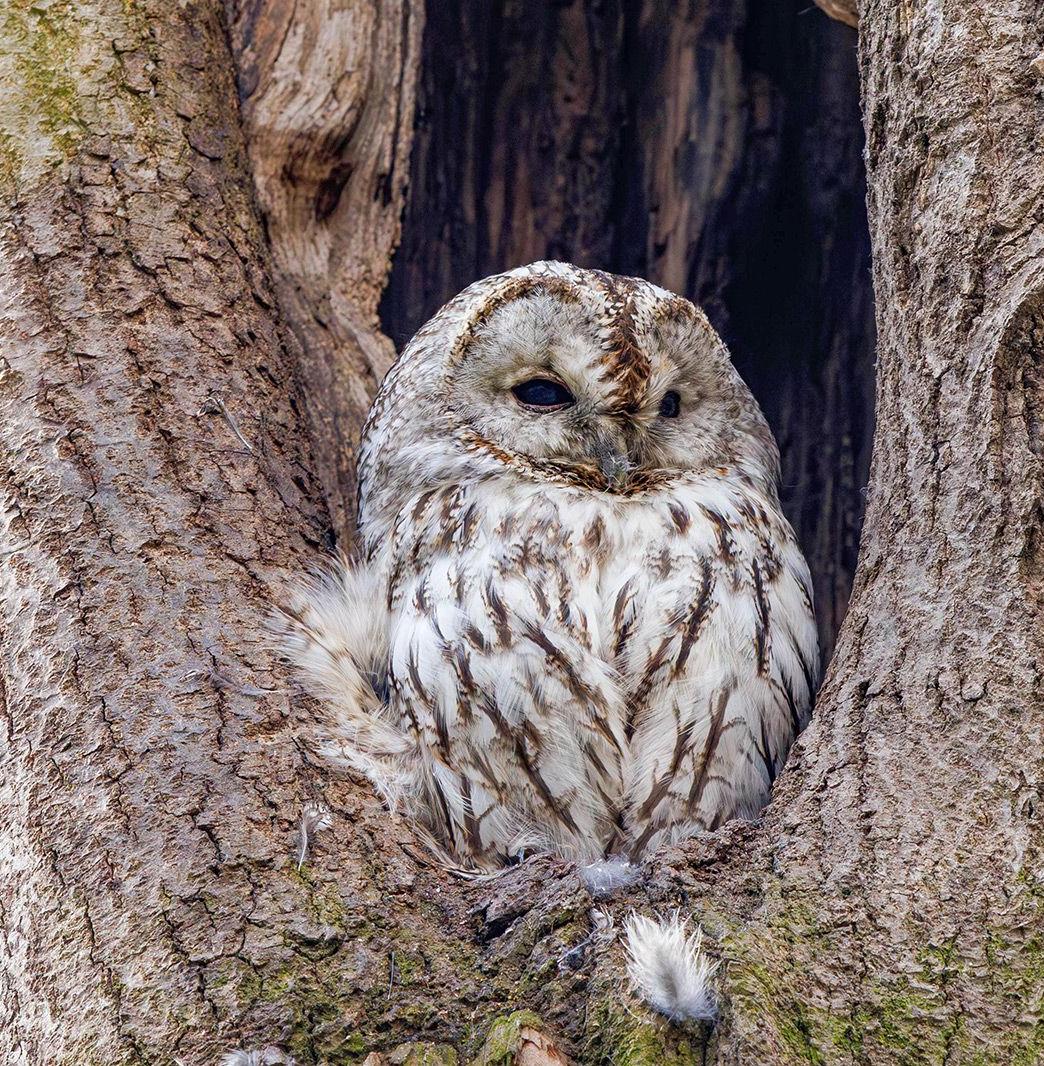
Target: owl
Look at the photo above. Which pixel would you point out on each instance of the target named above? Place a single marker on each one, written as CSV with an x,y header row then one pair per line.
x,y
579,621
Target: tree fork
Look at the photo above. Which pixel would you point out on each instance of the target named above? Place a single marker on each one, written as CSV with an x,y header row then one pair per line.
x,y
327,94
160,482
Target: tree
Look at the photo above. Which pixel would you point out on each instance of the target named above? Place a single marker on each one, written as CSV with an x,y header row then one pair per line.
x,y
183,365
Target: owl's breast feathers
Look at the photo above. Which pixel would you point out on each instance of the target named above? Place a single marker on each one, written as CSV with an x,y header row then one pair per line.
x,y
593,673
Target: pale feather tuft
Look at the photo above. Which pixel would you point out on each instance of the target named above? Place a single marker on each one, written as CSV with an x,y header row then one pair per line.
x,y
335,631
668,968
608,876
269,1056
315,817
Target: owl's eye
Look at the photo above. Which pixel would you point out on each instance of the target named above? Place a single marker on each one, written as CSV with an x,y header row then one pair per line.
x,y
541,392
670,405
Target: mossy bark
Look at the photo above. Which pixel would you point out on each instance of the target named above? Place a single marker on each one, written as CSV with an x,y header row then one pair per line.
x,y
158,380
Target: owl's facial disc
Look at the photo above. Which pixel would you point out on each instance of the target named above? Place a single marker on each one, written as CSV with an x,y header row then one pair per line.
x,y
538,381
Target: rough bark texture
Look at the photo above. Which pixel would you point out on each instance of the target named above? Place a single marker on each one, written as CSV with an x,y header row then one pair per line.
x,y
154,475
328,91
157,484
714,147
901,919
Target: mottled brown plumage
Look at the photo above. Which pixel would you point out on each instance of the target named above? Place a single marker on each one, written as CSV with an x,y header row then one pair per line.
x,y
588,626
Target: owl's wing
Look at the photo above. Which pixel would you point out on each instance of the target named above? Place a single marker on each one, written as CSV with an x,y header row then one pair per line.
x,y
722,664
492,669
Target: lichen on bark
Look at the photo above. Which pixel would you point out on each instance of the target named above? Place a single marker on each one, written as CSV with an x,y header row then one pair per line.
x,y
887,907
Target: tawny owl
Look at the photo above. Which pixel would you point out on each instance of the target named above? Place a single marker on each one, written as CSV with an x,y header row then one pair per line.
x,y
580,621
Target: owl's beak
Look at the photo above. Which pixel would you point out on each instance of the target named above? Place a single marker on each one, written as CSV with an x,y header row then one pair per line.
x,y
613,460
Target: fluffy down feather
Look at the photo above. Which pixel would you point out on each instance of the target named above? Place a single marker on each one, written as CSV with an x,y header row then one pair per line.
x,y
268,1056
609,876
668,968
335,631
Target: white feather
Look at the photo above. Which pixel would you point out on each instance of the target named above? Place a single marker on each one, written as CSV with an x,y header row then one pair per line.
x,y
335,631
315,817
607,876
668,968
269,1056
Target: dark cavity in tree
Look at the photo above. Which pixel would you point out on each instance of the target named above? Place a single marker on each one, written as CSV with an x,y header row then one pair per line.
x,y
712,147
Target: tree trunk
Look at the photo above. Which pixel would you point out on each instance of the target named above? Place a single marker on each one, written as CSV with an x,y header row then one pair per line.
x,y
900,918
157,481
174,448
327,94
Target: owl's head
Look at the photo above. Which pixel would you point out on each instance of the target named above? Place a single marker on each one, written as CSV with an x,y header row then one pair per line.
x,y
608,383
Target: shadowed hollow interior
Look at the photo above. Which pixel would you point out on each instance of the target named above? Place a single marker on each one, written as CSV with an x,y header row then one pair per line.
x,y
714,147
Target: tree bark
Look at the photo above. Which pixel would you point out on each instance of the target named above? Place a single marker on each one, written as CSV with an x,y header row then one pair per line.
x,y
900,917
327,93
160,482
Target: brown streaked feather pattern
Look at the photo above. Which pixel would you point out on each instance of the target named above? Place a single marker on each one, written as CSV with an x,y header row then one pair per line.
x,y
582,692
589,664
626,365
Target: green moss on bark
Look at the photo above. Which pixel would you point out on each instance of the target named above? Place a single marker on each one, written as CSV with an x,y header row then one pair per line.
x,y
619,1037
911,1013
503,1038
423,1055
41,102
